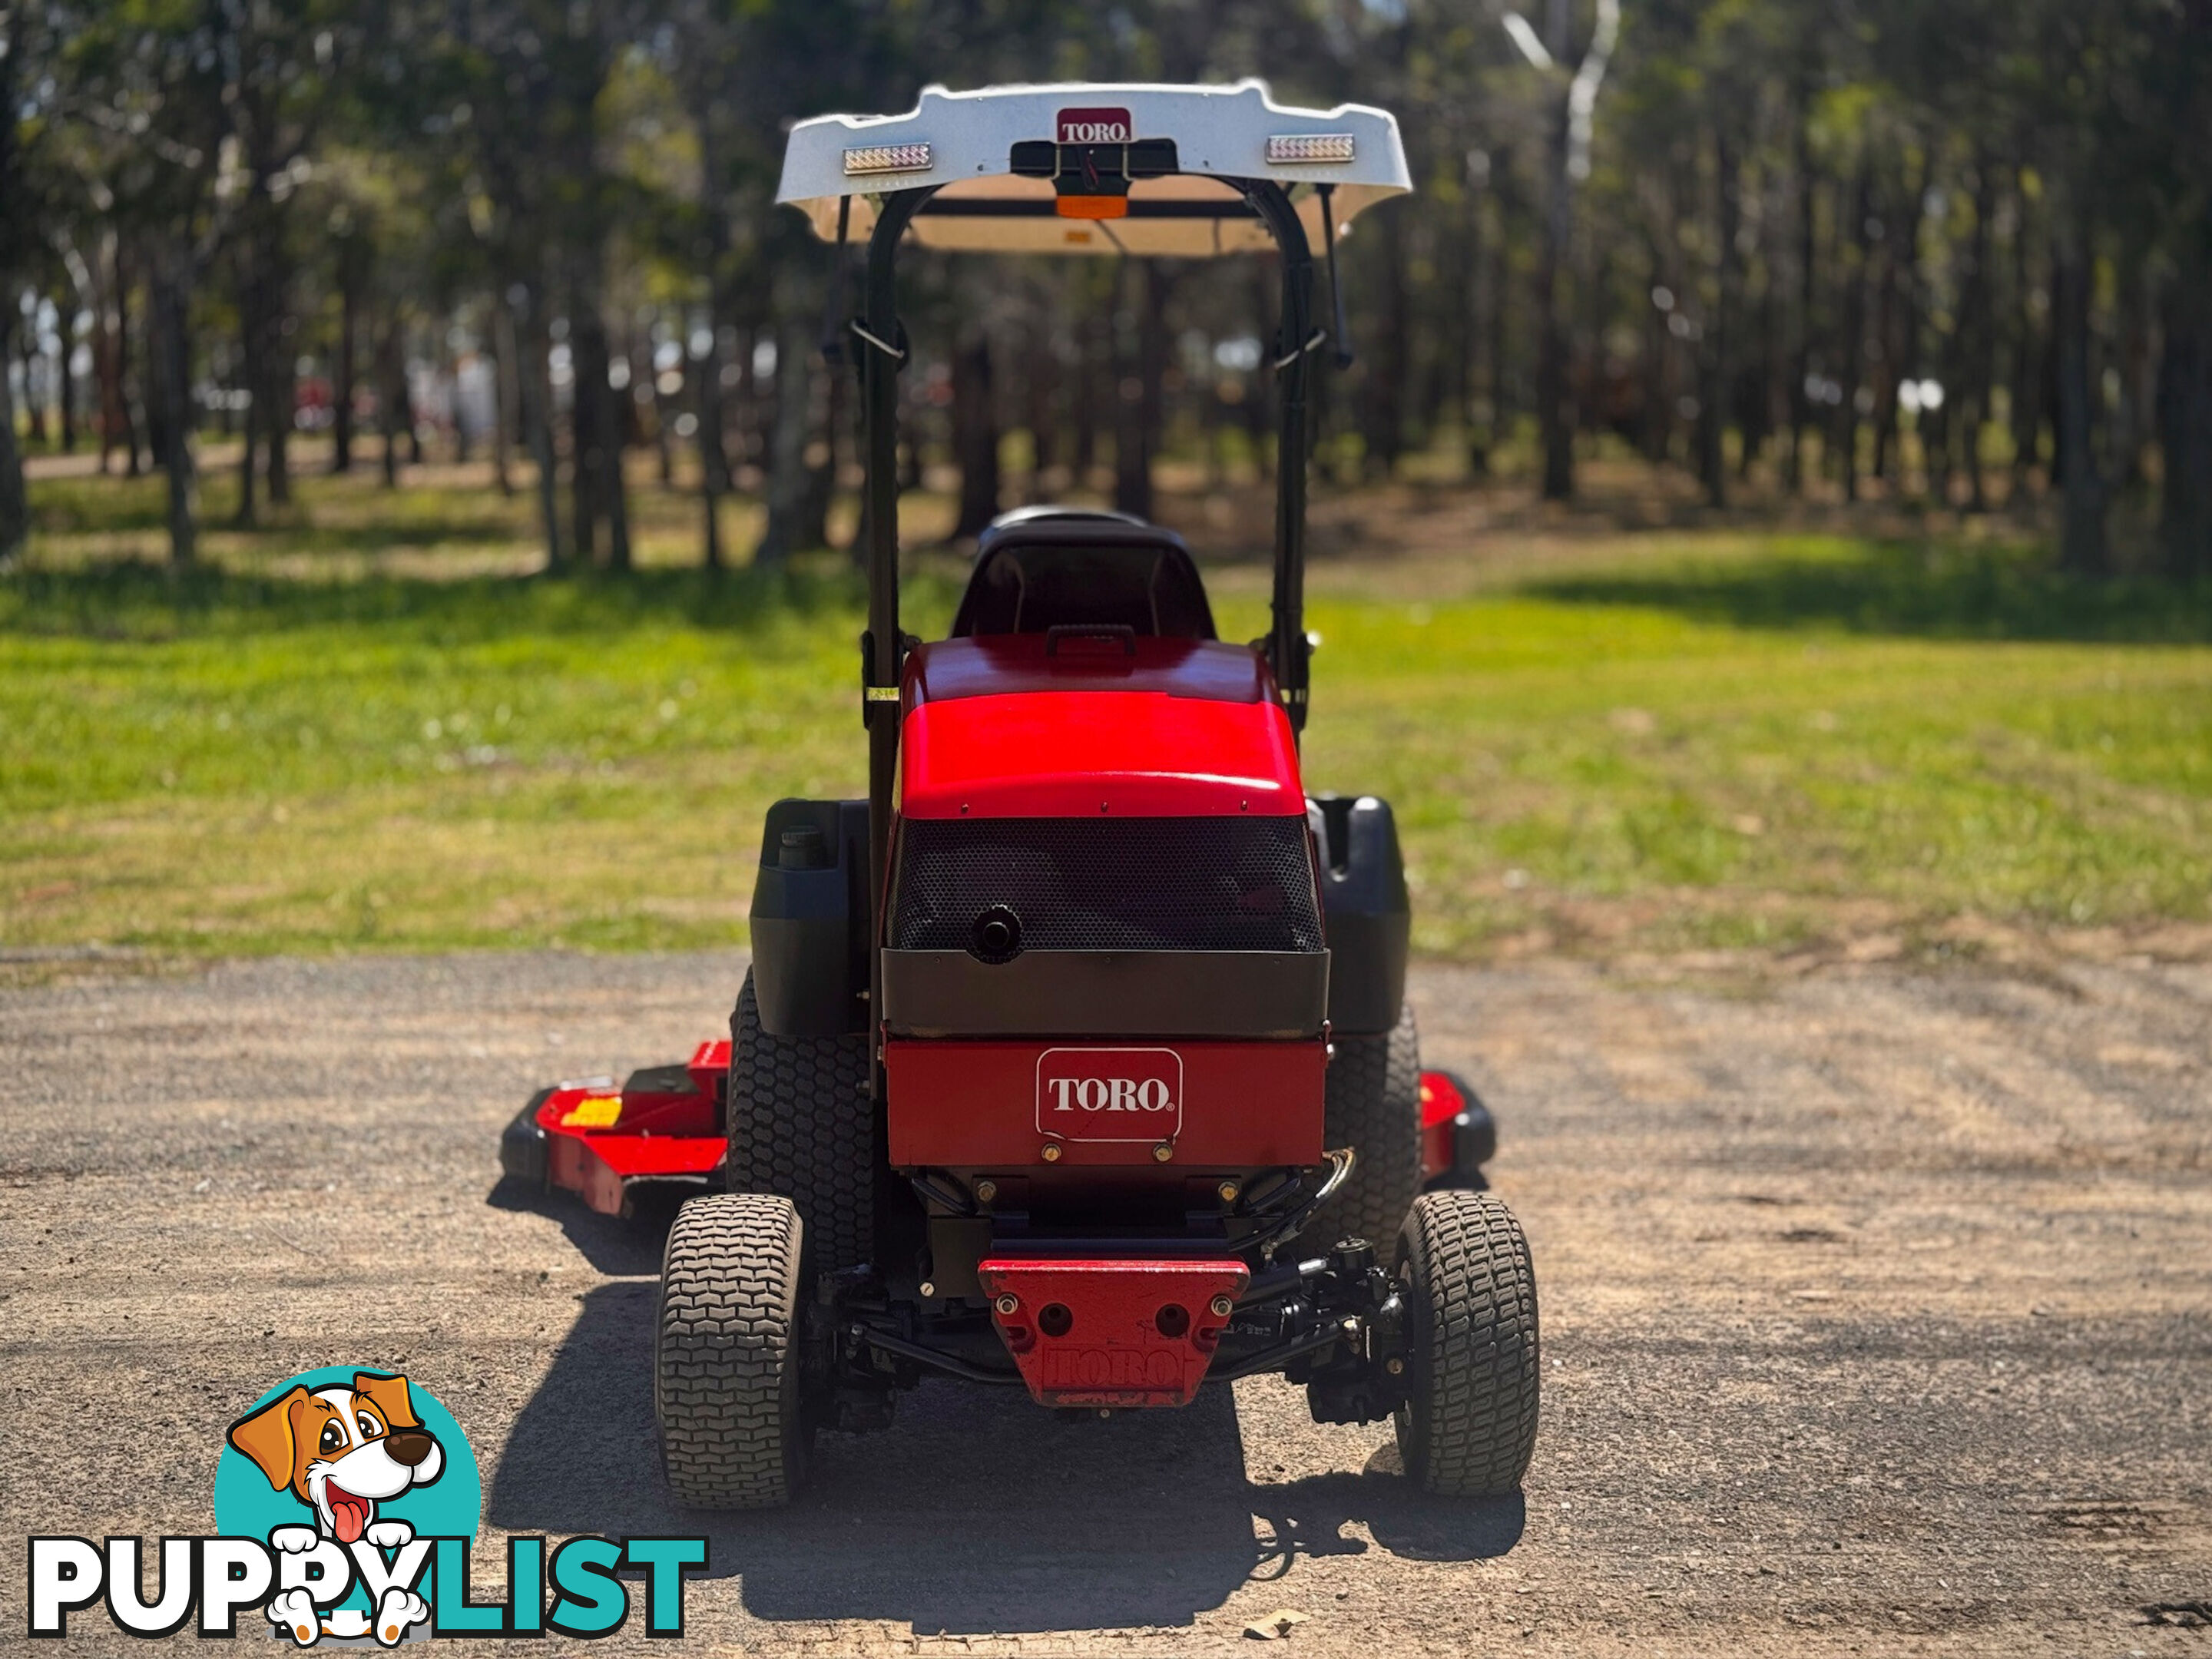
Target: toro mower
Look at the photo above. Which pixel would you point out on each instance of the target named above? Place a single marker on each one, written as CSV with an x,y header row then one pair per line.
x,y
1075,1059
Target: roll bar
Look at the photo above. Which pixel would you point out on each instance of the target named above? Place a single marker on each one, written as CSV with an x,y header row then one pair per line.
x,y
881,344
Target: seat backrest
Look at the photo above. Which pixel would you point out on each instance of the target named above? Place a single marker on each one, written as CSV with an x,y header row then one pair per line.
x,y
1035,571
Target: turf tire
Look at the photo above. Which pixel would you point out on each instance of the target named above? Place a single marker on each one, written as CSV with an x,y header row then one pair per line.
x,y
1373,1106
734,1431
801,1126
1469,1426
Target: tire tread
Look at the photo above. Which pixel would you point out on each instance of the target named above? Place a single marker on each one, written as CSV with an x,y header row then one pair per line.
x,y
1374,1106
1471,1428
726,1354
801,1126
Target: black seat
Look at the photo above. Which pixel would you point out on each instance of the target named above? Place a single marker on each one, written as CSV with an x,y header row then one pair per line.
x,y
1040,569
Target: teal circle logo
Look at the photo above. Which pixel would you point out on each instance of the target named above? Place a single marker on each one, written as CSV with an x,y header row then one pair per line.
x,y
343,1452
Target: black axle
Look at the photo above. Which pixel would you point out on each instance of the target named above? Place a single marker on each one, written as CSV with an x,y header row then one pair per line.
x,y
1337,1327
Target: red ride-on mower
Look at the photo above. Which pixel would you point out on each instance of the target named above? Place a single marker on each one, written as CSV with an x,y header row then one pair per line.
x,y
1075,1057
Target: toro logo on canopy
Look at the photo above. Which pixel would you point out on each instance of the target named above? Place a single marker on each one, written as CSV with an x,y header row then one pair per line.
x,y
1109,1094
1095,126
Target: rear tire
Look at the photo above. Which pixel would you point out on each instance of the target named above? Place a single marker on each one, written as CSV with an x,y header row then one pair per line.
x,y
1468,1427
1373,1106
801,1125
734,1431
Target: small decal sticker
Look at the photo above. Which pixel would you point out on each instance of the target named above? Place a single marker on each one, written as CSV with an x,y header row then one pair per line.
x,y
1096,126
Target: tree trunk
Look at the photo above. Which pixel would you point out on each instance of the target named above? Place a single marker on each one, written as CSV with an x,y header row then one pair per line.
x,y
1152,343
1476,409
2184,422
1133,471
601,411
67,380
15,503
172,351
531,377
1882,381
1092,365
1040,384
2028,362
613,491
1800,367
449,365
1855,297
790,491
587,435
107,362
1553,423
250,375
2081,545
1979,337
133,428
714,458
342,389
505,387
1717,370
277,392
33,404
1383,388
974,432
391,398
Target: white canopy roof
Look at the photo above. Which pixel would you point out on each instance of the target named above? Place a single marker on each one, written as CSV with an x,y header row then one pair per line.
x,y
965,141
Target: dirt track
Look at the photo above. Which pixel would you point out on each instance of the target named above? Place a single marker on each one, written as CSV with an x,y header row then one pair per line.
x,y
1878,1317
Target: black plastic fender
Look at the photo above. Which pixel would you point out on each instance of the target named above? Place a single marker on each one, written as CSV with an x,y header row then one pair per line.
x,y
809,919
1366,912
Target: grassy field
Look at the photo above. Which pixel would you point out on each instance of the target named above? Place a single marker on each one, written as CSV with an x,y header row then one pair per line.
x,y
363,728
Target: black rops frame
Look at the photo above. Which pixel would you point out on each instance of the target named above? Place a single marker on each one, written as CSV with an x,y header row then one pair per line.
x,y
883,350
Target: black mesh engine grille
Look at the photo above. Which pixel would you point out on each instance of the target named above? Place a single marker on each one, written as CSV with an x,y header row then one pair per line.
x,y
1107,884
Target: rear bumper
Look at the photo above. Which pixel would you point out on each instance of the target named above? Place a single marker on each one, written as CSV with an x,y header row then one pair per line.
x,y
1112,1333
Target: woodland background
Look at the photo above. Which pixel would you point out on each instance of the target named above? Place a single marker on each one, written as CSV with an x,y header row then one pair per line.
x,y
1767,516
1950,252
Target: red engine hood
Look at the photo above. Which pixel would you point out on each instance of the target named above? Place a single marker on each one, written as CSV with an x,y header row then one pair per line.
x,y
996,728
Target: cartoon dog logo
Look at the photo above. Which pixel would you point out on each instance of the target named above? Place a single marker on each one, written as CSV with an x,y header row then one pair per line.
x,y
341,1451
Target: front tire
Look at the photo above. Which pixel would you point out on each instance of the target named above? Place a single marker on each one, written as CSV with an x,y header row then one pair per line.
x,y
1468,1426
734,1431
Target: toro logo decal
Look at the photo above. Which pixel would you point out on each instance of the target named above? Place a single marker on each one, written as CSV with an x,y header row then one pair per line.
x,y
1109,1094
346,1504
1095,126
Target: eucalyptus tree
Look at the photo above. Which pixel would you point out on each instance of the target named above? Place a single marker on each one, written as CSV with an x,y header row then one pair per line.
x,y
25,49
281,67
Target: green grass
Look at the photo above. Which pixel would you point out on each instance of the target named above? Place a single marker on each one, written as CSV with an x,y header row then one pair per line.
x,y
1747,740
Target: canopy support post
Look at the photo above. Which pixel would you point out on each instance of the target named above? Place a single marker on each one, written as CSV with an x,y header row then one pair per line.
x,y
1288,652
882,647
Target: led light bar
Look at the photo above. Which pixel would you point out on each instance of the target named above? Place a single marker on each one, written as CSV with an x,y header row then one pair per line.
x,y
888,158
1294,149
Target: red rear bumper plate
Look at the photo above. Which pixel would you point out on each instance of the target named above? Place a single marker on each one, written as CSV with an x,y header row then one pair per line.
x,y
1118,1334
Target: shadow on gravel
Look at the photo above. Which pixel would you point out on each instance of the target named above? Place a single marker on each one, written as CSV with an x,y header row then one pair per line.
x,y
616,1247
976,1513
1308,1517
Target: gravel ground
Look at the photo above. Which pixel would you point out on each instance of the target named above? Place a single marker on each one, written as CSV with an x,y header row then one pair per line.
x,y
1875,1315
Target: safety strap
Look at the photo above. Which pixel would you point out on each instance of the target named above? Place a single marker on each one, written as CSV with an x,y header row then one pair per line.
x,y
1320,339
896,353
